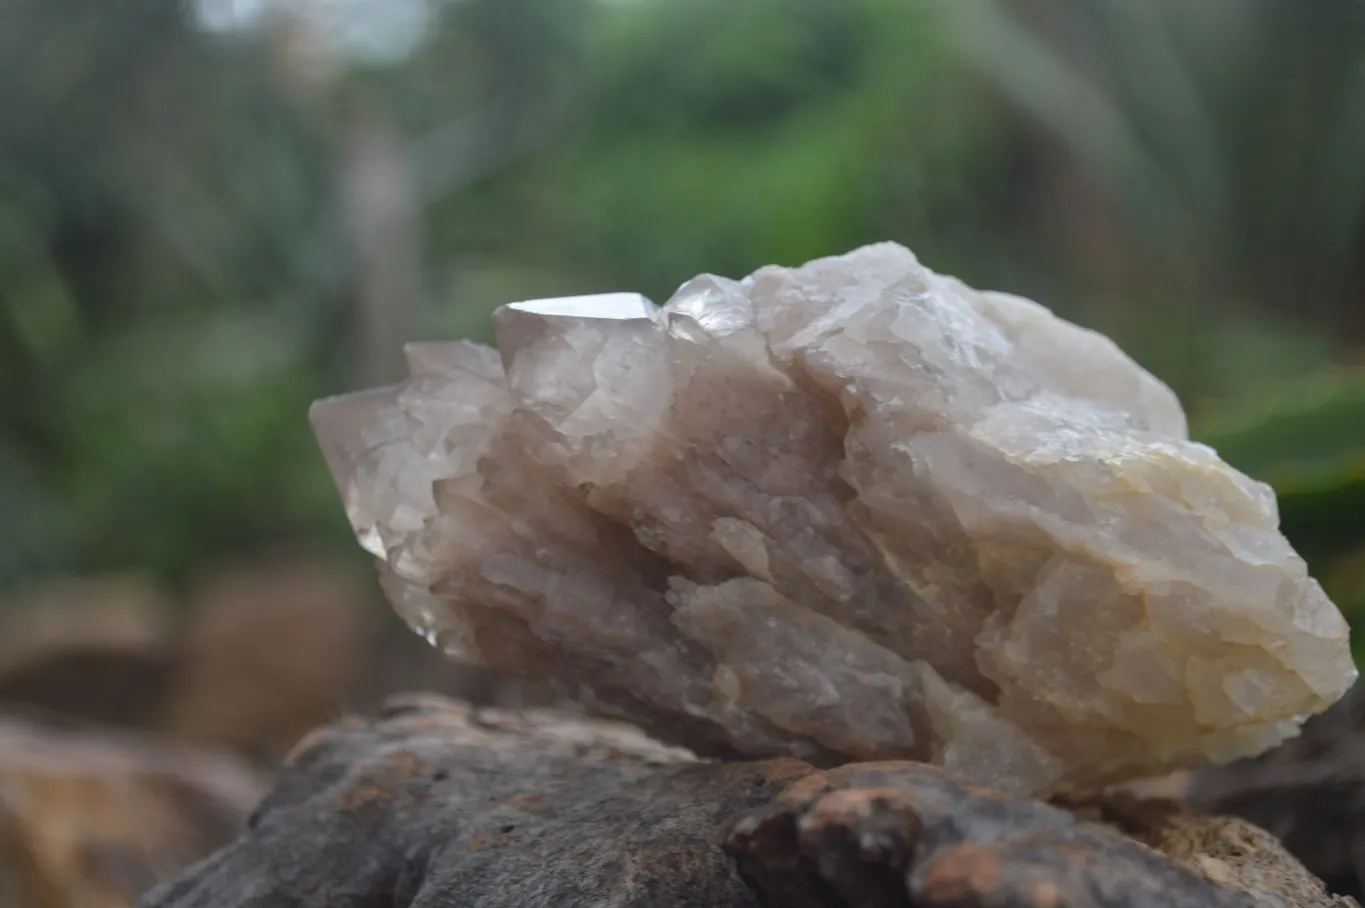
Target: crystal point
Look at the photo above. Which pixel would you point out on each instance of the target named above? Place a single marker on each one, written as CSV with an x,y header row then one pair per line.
x,y
619,306
850,510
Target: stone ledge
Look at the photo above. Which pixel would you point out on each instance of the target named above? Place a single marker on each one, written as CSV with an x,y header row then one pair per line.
x,y
436,803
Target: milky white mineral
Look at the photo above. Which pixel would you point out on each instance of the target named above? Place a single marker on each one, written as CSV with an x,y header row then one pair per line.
x,y
851,510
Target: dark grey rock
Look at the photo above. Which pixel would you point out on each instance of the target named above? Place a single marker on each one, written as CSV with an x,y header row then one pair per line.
x,y
438,804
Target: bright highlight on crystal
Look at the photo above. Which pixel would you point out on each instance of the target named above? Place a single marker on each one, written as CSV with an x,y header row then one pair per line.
x,y
851,510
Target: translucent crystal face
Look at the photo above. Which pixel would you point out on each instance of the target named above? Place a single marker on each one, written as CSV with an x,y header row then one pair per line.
x,y
852,510
601,305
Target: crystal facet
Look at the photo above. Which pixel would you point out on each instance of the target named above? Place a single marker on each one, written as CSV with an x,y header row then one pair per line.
x,y
854,509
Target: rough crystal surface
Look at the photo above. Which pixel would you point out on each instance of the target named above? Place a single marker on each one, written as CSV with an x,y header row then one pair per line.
x,y
854,509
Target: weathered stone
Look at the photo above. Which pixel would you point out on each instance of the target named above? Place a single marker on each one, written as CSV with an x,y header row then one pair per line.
x,y
895,834
850,510
91,820
98,649
267,653
1309,792
440,804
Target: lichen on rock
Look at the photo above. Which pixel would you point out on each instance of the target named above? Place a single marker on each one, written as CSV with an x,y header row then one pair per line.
x,y
851,510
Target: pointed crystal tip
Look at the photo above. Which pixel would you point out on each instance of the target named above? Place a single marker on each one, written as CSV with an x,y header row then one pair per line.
x,y
618,306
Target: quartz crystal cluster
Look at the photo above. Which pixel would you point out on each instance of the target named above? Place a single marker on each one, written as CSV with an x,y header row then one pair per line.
x,y
851,510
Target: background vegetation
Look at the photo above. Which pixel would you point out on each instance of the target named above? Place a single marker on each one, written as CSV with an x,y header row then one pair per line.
x,y
212,213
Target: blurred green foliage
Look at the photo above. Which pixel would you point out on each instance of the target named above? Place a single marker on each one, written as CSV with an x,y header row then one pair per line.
x,y
204,228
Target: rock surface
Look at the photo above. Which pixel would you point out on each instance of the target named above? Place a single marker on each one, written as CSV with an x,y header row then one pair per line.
x,y
1310,792
91,820
97,650
440,804
852,510
253,655
266,653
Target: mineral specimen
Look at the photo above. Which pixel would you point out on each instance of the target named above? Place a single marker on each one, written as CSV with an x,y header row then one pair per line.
x,y
851,510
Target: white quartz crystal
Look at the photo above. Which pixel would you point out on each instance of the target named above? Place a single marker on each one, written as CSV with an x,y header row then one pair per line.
x,y
851,510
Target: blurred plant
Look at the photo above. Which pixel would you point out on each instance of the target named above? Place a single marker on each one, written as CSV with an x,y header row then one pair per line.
x,y
210,218
197,240
1211,152
132,202
717,136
